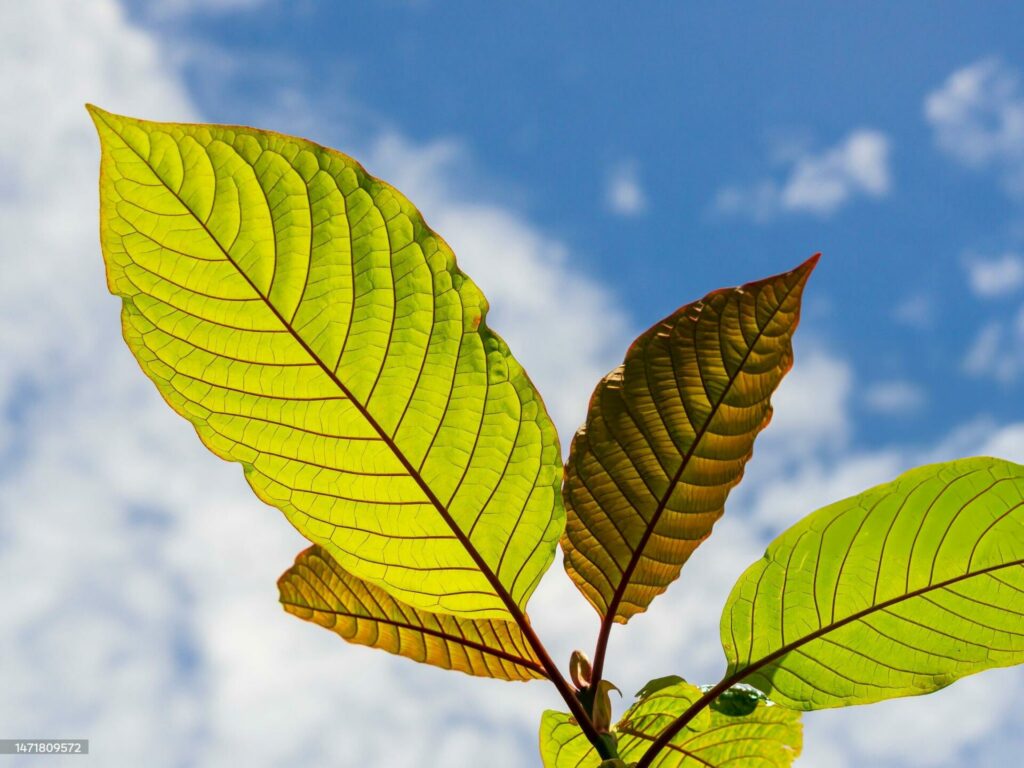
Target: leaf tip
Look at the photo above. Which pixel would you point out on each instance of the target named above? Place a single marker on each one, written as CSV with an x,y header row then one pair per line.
x,y
803,272
808,266
100,118
95,112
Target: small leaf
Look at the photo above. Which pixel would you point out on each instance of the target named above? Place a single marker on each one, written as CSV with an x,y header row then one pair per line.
x,y
317,589
766,736
562,743
602,706
667,436
303,317
580,670
655,685
898,591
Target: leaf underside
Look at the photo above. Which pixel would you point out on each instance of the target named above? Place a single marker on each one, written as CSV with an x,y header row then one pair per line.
x,y
319,590
898,591
667,436
304,318
768,736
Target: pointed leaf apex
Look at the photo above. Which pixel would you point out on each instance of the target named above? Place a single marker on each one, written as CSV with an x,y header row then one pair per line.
x,y
805,269
95,113
803,272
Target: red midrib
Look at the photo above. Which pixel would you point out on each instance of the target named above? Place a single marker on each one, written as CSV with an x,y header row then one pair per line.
x,y
635,558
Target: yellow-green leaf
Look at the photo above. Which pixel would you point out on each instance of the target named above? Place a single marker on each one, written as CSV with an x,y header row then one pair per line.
x,y
317,589
304,318
763,736
898,591
667,436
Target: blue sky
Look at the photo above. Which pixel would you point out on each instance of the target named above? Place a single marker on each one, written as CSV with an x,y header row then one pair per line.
x,y
593,168
550,100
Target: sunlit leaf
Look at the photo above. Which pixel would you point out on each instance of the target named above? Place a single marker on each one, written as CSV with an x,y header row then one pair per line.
x,y
317,589
766,736
655,685
898,591
667,436
304,318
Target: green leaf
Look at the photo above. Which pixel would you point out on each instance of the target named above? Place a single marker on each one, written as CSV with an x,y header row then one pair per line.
x,y
766,735
317,589
898,591
304,318
667,436
562,743
655,685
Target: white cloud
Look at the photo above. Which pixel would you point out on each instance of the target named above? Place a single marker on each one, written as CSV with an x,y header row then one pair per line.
x,y
916,311
823,183
162,9
759,201
997,351
812,404
143,602
816,183
895,397
978,119
623,194
142,608
997,276
983,355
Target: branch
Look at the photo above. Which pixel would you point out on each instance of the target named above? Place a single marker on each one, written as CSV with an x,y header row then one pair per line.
x,y
601,649
560,683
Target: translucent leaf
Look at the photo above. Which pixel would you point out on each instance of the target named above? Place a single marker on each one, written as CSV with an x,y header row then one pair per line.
x,y
764,736
667,436
317,589
655,685
898,591
304,318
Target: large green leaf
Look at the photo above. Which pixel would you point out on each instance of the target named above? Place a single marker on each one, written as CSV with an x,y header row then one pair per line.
x,y
761,735
898,591
667,436
317,589
304,318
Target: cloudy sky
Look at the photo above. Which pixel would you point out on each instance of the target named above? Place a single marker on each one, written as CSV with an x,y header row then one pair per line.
x,y
593,169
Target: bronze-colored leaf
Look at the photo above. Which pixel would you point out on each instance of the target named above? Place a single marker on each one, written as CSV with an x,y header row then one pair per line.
x,y
667,436
317,589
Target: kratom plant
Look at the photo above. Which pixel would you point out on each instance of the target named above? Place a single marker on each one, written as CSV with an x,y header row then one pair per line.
x,y
303,317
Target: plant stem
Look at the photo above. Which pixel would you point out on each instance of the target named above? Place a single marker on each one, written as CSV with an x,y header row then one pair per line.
x,y
600,650
559,681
